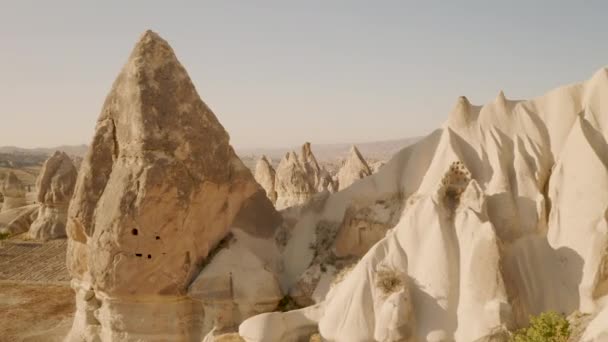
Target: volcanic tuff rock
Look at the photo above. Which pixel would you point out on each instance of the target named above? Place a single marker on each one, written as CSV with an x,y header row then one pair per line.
x,y
299,177
503,215
55,187
158,189
355,167
265,176
13,191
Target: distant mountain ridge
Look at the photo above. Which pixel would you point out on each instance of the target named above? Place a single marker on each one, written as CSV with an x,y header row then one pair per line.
x,y
74,150
378,150
375,150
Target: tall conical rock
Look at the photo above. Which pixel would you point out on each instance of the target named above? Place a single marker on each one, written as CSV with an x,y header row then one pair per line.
x,y
55,186
265,176
13,191
292,182
355,167
299,177
158,189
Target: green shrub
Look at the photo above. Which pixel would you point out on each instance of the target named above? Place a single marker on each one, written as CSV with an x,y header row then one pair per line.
x,y
546,327
4,236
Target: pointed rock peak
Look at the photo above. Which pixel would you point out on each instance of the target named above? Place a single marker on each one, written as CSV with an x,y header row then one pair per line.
x,y
463,101
12,186
12,180
306,151
501,100
263,165
264,160
462,108
150,43
355,154
601,74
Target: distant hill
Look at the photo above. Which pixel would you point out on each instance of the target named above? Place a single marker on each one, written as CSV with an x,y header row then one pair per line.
x,y
18,157
73,150
377,150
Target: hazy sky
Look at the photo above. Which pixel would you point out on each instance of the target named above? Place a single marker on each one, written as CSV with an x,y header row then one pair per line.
x,y
277,73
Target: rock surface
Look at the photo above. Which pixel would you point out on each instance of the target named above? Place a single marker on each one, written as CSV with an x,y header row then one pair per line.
x,y
299,177
265,176
13,192
503,214
157,191
55,187
354,168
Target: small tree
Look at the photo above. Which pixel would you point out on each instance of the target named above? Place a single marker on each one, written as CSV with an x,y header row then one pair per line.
x,y
546,327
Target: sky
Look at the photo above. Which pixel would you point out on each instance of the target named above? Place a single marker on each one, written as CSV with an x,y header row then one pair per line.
x,y
278,73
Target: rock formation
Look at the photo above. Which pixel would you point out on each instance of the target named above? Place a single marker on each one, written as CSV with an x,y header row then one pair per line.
x,y
299,177
55,186
354,168
158,190
13,191
503,214
18,220
265,176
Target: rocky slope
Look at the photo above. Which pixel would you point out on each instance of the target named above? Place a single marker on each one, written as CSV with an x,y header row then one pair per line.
x,y
500,214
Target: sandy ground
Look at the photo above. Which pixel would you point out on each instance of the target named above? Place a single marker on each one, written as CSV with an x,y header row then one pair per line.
x,y
36,301
35,312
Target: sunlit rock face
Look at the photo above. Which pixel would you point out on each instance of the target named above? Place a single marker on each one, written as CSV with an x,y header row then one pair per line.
x,y
55,186
502,214
299,177
354,168
265,176
158,189
13,192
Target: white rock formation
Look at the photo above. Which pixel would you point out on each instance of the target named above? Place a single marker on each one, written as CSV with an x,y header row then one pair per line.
x,y
504,214
13,192
354,168
299,178
157,191
265,176
55,186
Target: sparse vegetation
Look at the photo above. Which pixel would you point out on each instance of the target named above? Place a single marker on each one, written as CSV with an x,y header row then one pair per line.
x,y
4,236
389,280
546,327
340,275
287,303
316,337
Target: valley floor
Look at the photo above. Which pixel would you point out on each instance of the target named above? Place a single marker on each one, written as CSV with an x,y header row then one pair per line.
x,y
36,301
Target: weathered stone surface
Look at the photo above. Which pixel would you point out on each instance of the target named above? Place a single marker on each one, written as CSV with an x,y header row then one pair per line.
x,y
13,191
55,187
156,192
265,175
355,167
299,177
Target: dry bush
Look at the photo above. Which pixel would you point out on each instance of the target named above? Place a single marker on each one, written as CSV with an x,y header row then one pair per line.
x,y
389,280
